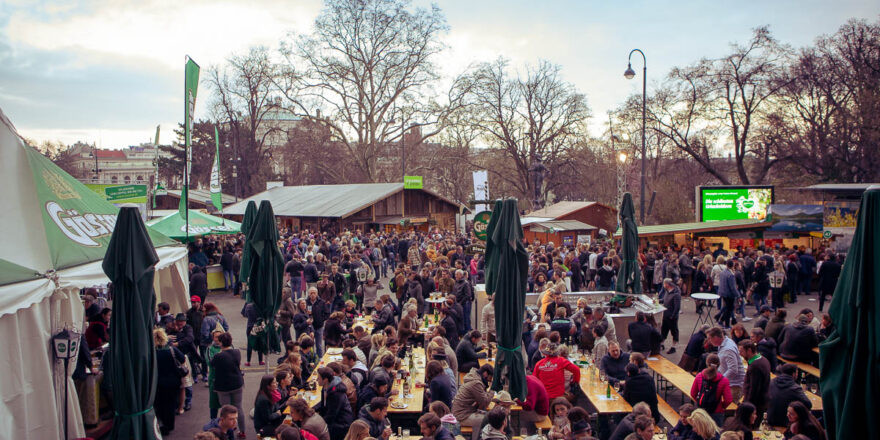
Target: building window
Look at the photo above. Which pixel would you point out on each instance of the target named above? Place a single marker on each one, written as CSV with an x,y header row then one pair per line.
x,y
127,179
114,179
140,178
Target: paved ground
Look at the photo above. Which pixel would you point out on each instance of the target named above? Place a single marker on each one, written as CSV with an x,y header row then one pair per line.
x,y
191,422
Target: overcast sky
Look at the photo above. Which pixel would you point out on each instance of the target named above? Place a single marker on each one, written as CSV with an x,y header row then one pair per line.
x,y
110,71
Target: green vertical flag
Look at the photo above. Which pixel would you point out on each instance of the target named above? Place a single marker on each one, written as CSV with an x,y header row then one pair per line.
x,y
191,86
216,190
156,184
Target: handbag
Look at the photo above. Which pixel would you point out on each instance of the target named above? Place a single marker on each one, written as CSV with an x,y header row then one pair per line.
x,y
182,370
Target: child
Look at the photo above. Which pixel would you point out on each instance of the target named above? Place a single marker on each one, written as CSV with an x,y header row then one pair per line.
x,y
559,412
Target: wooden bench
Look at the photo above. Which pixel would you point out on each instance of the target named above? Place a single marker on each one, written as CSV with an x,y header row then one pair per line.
x,y
544,424
466,430
806,368
667,412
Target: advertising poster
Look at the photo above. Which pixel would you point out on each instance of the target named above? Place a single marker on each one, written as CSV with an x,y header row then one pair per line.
x,y
841,214
734,203
123,194
796,218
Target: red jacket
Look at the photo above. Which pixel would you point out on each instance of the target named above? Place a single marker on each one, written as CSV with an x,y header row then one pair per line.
x,y
724,396
551,372
536,399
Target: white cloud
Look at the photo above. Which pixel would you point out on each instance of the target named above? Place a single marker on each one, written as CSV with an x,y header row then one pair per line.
x,y
162,31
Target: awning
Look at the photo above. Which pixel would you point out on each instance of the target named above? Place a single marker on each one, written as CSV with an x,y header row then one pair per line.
x,y
559,226
699,227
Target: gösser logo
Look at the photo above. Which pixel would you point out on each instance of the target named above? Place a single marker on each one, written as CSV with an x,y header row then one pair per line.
x,y
81,228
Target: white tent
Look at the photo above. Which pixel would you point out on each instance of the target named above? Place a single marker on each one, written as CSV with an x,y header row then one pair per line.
x,y
55,234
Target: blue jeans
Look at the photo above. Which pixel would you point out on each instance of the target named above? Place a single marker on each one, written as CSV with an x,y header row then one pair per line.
x,y
319,341
805,281
295,284
188,392
228,279
759,301
466,311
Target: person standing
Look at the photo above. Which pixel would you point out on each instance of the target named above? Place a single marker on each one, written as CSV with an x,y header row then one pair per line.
x,y
730,363
756,388
728,292
226,265
169,381
686,269
808,268
828,275
228,381
464,295
294,270
672,302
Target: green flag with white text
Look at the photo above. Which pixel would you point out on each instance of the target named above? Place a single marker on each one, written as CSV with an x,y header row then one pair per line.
x,y
216,190
191,86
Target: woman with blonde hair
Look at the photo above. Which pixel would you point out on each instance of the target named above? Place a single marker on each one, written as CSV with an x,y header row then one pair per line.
x,y
704,428
377,342
359,430
168,358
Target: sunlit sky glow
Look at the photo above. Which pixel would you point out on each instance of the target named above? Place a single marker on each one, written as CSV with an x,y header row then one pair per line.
x,y
109,71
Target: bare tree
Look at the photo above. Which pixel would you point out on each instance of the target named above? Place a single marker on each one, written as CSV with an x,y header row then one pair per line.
x,y
243,101
537,116
369,65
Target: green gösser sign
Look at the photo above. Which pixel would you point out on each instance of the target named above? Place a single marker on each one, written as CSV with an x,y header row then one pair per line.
x,y
481,224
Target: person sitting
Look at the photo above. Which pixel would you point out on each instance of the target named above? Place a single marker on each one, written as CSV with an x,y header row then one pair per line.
x,y
378,387
449,324
561,428
357,371
766,347
226,421
375,415
307,419
783,391
797,341
536,405
431,428
640,388
704,427
447,420
711,390
776,324
742,421
614,363
267,415
468,353
551,371
96,333
351,392
334,331
600,343
802,422
642,334
562,325
497,422
627,424
473,397
441,387
682,430
643,429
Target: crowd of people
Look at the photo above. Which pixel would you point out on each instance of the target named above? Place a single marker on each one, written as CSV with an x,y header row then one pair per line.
x,y
330,281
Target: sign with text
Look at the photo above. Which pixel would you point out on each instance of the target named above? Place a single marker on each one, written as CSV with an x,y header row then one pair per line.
x,y
734,203
120,193
481,224
412,182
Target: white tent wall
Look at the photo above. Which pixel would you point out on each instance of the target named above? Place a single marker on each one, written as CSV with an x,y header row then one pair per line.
x,y
32,390
33,387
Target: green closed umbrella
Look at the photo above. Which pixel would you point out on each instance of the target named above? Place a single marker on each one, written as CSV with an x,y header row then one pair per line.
x,y
266,274
250,213
629,278
507,268
129,263
850,358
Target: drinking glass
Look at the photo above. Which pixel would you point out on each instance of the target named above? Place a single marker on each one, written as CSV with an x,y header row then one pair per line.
x,y
405,433
814,387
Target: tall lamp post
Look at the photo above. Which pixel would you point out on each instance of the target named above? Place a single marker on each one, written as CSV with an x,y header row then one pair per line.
x,y
630,74
66,345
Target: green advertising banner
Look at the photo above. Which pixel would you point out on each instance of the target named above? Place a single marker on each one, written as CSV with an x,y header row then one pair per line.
x,y
481,224
120,193
717,204
412,182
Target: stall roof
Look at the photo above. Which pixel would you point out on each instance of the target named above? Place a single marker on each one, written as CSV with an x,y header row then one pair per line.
x,y
559,209
561,225
331,201
838,187
698,227
525,221
202,196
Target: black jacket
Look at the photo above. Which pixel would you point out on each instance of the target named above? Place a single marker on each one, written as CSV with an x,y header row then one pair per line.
x,y
767,348
333,333
451,328
642,335
319,312
695,345
198,284
640,388
797,341
227,373
463,291
167,371
624,428
266,415
376,426
226,261
783,391
335,408
466,354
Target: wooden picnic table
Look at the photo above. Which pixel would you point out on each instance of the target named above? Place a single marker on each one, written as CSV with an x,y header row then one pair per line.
x,y
415,400
596,390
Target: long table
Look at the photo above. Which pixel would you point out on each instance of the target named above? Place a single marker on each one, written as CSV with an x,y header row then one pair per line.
x,y
596,391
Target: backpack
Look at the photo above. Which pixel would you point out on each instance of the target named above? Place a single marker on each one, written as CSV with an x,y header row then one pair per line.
x,y
707,396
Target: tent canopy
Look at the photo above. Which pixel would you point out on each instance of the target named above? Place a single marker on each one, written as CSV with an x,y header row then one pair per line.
x,y
174,226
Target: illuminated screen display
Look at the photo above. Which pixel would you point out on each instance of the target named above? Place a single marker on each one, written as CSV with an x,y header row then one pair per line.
x,y
734,203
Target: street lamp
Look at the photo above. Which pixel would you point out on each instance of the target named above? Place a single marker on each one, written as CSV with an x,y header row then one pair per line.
x,y
94,154
621,157
66,344
630,74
